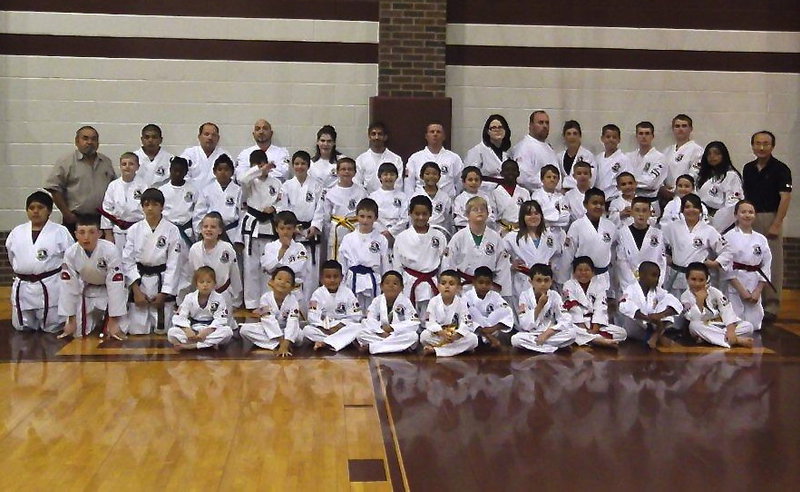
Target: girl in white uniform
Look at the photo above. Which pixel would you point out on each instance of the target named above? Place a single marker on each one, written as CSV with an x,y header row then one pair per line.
x,y
391,323
719,185
489,155
323,164
746,264
684,185
471,182
710,314
36,252
202,320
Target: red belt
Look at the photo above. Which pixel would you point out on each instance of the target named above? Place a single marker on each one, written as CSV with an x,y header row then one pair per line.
x,y
222,288
745,267
421,277
39,277
122,224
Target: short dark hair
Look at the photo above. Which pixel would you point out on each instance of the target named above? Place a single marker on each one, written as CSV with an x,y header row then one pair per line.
x,y
682,117
204,270
40,197
286,217
483,271
452,274
224,159
687,177
549,168
392,273
762,132
534,113
420,200
624,174
582,163
640,199
470,169
697,266
611,127
207,123
302,154
582,260
284,268
86,127
649,265
87,220
258,156
342,160
387,167
377,125
693,199
571,124
645,124
367,205
593,191
152,195
740,203
429,165
541,269
178,161
332,265
152,127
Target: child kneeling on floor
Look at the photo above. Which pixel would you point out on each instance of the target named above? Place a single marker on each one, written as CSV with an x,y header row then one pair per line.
x,y
202,319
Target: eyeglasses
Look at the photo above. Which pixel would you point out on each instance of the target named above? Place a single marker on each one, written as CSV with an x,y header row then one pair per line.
x,y
495,128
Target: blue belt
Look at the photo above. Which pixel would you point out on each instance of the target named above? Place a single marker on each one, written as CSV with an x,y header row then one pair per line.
x,y
601,270
364,270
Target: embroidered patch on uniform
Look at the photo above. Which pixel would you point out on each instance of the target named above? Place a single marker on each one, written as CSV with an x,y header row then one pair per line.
x,y
679,158
606,237
341,308
102,264
490,249
374,247
615,167
646,166
697,243
214,306
567,242
438,207
188,197
713,191
309,197
42,254
435,242
295,312
565,206
520,200
654,241
446,251
357,307
400,310
333,171
291,259
522,308
302,254
160,171
118,277
137,195
312,305
161,242
455,318
351,205
229,201
757,250
225,257
724,301
321,195
397,203
549,241
445,169
65,275
490,309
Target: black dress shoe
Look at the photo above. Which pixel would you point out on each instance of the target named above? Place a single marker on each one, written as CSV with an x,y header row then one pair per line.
x,y
770,318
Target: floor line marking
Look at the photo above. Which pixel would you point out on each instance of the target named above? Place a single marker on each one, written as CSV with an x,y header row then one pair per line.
x,y
392,428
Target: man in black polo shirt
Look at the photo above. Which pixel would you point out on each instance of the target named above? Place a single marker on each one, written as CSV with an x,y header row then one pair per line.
x,y
768,184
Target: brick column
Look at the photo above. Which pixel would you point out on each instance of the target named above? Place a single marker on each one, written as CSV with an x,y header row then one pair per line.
x,y
411,71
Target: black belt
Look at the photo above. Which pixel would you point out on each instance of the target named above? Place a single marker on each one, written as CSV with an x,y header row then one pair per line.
x,y
601,270
39,277
261,217
313,242
232,225
678,268
151,269
194,321
182,230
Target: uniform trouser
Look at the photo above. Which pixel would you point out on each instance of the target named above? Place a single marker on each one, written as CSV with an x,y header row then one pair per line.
x,y
267,335
466,343
714,332
770,299
32,320
639,330
119,240
337,341
96,309
752,312
220,336
583,336
527,340
254,278
395,342
141,320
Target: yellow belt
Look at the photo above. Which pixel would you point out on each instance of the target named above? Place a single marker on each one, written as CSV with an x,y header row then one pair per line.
x,y
508,226
348,223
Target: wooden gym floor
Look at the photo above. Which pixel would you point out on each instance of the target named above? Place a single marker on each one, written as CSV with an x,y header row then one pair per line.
x,y
92,415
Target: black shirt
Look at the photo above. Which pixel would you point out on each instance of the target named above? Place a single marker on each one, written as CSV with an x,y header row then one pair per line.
x,y
568,160
763,187
638,235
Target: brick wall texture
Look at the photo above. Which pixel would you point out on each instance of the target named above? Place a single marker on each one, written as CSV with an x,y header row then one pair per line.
x,y
411,53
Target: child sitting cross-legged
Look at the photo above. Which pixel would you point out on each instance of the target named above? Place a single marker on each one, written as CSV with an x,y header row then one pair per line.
x,y
202,319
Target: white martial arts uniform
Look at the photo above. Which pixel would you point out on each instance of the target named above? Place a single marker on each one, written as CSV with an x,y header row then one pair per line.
x,y
367,165
296,258
650,171
630,256
402,318
460,208
442,215
418,257
464,256
489,311
221,258
364,259
532,155
324,172
569,179
486,159
682,160
574,200
634,299
616,206
584,240
548,252
227,202
277,322
328,309
684,246
672,212
179,203
92,286
34,302
450,165
745,255
157,250
553,315
588,307
711,322
555,208
155,172
335,215
722,195
392,210
258,228
608,168
201,166
302,199
507,205
456,315
122,201
191,314
278,156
